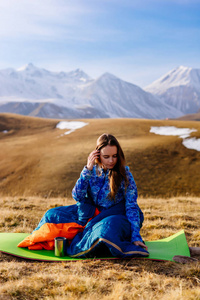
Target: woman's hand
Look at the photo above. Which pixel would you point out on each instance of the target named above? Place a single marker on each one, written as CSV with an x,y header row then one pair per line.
x,y
91,159
138,243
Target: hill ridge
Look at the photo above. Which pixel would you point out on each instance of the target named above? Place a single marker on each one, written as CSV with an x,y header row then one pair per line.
x,y
37,160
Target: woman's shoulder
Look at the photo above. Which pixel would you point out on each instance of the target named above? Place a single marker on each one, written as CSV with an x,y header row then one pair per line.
x,y
127,169
128,172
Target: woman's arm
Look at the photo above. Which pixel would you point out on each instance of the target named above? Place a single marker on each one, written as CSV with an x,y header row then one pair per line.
x,y
132,209
80,190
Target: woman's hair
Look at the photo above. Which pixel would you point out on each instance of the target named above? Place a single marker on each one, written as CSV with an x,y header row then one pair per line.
x,y
118,173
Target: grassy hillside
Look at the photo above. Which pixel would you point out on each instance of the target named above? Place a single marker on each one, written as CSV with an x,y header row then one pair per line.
x,y
191,117
36,160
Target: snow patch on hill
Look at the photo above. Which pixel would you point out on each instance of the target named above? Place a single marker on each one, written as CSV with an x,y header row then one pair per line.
x,y
192,143
172,130
72,126
184,133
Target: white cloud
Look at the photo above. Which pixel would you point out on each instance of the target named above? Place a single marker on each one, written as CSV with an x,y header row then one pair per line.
x,y
54,20
39,18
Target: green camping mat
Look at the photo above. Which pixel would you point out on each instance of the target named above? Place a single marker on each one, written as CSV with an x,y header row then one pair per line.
x,y
164,249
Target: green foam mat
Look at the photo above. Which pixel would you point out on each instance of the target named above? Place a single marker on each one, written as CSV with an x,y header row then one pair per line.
x,y
164,249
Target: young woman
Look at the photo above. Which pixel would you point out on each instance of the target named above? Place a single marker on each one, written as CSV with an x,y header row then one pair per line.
x,y
106,219
107,181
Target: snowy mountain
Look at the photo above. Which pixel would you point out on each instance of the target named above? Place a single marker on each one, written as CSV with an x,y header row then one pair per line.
x,y
179,88
34,83
39,92
122,99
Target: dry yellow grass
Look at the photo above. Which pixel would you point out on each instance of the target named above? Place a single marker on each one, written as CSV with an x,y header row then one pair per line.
x,y
111,279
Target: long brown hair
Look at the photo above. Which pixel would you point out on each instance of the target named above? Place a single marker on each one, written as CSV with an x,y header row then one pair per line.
x,y
118,173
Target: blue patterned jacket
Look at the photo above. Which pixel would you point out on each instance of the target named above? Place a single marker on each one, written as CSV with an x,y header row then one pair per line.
x,y
97,187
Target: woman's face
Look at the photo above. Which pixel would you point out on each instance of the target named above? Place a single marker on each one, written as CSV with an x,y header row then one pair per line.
x,y
108,156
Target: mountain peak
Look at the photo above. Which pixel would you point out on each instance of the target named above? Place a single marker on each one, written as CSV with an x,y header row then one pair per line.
x,y
27,67
180,76
106,77
182,68
109,75
180,88
79,75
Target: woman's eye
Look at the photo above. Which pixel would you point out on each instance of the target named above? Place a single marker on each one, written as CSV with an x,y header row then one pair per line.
x,y
106,157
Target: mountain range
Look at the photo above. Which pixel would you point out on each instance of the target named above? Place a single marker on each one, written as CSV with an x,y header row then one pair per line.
x,y
38,92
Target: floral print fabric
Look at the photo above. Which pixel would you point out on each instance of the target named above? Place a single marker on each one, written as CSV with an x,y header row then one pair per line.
x,y
95,184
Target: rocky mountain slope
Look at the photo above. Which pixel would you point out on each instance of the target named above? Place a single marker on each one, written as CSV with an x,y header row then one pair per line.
x,y
179,88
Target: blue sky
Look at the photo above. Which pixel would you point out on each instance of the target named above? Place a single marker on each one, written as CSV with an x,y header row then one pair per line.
x,y
136,40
